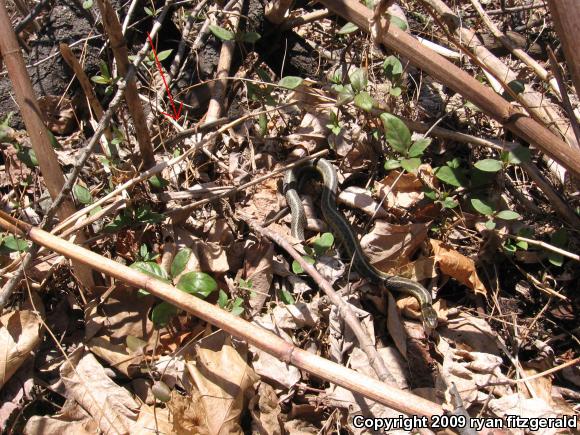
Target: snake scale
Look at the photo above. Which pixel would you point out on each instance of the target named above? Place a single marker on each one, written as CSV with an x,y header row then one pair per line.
x,y
346,236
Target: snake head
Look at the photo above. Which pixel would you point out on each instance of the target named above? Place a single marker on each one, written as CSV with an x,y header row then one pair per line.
x,y
429,316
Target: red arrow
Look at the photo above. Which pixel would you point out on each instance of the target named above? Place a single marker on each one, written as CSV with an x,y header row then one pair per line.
x,y
176,113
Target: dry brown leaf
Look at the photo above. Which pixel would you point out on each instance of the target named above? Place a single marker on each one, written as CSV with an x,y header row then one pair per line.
x,y
222,377
124,313
395,326
471,333
57,113
457,266
16,393
71,419
153,421
409,306
389,246
402,191
188,414
110,405
20,334
258,269
116,355
265,411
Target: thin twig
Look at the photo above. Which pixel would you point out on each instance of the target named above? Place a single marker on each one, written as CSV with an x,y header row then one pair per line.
x,y
547,246
344,309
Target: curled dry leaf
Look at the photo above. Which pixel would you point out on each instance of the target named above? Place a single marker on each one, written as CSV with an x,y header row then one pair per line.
x,y
457,266
355,403
471,333
298,315
359,198
223,377
471,372
402,191
258,269
20,334
389,246
83,379
269,366
265,411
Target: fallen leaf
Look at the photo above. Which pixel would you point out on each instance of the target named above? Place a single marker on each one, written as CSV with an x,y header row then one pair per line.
x,y
389,246
362,199
83,379
266,411
457,266
222,376
470,333
259,256
20,334
401,191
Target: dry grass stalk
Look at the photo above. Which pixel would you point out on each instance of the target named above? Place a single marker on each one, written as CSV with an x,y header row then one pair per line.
x,y
460,81
115,33
27,102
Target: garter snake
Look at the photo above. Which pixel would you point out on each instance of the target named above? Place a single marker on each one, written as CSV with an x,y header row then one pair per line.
x,y
344,233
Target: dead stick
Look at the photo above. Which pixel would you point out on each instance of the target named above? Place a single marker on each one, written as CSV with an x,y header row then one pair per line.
x,y
265,340
463,83
344,309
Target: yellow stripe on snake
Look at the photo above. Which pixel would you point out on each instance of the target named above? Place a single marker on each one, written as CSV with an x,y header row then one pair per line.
x,y
344,233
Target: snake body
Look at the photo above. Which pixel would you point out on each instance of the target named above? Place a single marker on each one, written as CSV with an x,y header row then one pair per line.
x,y
344,233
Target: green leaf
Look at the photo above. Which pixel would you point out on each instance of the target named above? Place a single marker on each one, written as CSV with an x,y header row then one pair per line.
x,y
345,95
323,243
429,193
52,138
87,4
347,28
454,163
82,194
358,80
180,261
237,311
450,176
14,244
522,244
449,203
519,155
297,269
364,101
483,206
152,269
509,247
145,215
222,299
27,156
221,33
393,67
411,165
392,164
158,182
490,225
105,69
100,80
163,313
555,258
290,82
397,133
398,22
395,91
251,37
148,11
287,297
508,215
197,283
143,251
419,147
489,165
162,55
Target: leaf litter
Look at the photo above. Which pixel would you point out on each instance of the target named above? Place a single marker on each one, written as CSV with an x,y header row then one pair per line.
x,y
425,207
